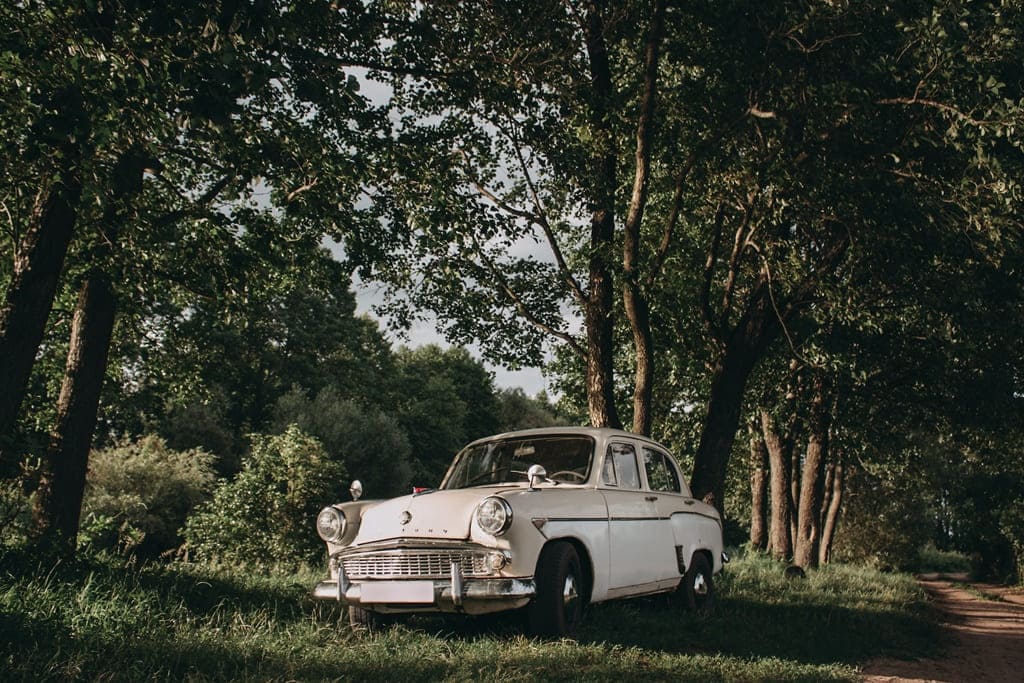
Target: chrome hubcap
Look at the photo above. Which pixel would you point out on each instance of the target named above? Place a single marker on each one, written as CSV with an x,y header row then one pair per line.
x,y
570,593
700,585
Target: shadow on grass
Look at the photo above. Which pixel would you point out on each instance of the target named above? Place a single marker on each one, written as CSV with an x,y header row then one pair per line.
x,y
812,634
741,628
91,618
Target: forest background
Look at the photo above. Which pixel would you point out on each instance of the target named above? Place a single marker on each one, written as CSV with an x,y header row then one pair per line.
x,y
783,239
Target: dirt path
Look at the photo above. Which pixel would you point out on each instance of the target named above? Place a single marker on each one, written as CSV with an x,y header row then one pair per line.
x,y
985,628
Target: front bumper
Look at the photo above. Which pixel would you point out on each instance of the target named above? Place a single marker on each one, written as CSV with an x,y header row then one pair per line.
x,y
456,594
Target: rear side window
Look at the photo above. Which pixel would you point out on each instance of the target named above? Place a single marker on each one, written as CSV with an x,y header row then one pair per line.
x,y
661,474
620,468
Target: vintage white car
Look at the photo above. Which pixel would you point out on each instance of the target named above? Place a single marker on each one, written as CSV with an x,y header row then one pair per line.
x,y
548,519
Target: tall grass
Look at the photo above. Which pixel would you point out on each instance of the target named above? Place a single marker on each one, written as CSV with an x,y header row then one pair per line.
x,y
104,620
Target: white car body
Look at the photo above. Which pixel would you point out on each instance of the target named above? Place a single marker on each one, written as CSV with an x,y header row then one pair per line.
x,y
427,552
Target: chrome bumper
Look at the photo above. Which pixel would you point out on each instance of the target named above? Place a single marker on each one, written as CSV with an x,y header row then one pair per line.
x,y
471,596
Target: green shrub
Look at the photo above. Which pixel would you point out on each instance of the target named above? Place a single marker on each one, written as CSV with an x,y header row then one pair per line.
x,y
16,507
265,515
138,495
931,559
885,523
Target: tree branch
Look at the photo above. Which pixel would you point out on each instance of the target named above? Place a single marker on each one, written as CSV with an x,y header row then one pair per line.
x,y
709,270
521,308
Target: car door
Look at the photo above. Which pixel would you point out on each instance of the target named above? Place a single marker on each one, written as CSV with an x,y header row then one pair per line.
x,y
640,558
672,500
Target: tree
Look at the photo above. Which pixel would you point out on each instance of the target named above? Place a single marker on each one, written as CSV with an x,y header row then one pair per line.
x,y
524,133
370,443
443,399
215,98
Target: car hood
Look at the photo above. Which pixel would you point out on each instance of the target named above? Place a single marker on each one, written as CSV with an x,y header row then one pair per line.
x,y
439,515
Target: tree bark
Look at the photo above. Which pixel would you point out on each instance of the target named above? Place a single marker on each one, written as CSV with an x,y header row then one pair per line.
x,y
635,300
599,318
58,502
795,470
828,528
744,348
780,534
811,487
758,487
31,291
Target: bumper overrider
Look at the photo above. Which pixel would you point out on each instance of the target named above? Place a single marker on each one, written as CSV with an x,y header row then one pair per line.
x,y
424,579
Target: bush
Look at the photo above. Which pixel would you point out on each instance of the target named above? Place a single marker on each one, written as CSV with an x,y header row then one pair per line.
x,y
138,495
266,515
885,523
931,559
16,506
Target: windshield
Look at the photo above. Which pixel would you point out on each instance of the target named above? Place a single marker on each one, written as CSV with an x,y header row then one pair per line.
x,y
566,459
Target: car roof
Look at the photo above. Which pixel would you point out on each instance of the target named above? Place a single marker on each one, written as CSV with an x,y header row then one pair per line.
x,y
597,433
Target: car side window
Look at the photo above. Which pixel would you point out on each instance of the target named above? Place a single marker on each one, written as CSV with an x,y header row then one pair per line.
x,y
620,468
661,475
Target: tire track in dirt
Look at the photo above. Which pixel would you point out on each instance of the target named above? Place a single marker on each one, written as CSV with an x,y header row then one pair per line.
x,y
985,636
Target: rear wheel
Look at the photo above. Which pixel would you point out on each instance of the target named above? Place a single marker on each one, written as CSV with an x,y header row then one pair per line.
x,y
698,588
557,609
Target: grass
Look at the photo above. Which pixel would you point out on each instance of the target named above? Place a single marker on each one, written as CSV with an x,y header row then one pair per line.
x,y
104,620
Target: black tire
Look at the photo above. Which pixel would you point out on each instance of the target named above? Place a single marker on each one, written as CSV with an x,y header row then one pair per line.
x,y
698,588
364,620
557,609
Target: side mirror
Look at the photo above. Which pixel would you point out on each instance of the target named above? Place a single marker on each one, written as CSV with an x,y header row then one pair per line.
x,y
356,489
537,475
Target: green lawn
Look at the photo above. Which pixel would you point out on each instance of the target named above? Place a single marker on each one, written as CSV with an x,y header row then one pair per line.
x,y
102,620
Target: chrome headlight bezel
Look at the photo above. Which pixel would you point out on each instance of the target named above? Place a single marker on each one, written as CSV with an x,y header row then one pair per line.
x,y
331,524
493,515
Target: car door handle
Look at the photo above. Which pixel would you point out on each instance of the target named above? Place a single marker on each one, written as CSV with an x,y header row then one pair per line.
x,y
651,499
689,501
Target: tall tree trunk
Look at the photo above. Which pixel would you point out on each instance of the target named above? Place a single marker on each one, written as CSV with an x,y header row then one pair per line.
x,y
758,487
634,300
795,469
30,293
744,348
808,537
58,502
780,535
828,528
599,318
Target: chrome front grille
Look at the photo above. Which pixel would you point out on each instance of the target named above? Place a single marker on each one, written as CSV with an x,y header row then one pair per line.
x,y
410,563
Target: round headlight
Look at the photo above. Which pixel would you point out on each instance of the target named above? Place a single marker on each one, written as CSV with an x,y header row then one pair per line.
x,y
494,515
330,524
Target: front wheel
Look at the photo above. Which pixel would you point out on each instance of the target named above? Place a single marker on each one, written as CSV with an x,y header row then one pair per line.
x,y
364,620
557,609
698,588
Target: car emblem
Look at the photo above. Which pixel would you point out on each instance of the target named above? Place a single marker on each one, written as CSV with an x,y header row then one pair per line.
x,y
406,517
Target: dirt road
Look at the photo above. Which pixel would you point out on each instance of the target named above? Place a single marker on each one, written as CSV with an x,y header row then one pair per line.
x,y
985,629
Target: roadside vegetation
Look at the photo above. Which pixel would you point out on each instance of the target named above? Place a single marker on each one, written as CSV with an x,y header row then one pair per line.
x,y
101,618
